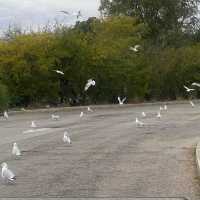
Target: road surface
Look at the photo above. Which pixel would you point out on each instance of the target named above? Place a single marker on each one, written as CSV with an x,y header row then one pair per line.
x,y
109,156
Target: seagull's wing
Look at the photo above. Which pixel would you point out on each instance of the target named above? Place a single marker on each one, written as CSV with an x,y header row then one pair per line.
x,y
196,84
123,100
186,87
119,99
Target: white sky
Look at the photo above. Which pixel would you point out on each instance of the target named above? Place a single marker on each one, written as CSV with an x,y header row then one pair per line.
x,y
26,13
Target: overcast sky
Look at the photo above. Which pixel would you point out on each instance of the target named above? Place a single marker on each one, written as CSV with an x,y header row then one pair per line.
x,y
26,13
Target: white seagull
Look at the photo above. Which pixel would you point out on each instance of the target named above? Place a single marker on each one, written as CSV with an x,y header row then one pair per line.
x,y
7,175
192,104
165,107
188,89
135,48
81,115
33,124
121,102
59,72
138,122
66,138
5,114
89,109
159,115
55,117
15,150
144,114
161,108
89,83
196,84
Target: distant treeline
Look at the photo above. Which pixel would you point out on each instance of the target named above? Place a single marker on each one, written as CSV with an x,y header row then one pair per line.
x,y
168,58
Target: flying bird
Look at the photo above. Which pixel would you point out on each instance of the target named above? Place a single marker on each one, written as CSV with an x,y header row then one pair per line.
x,y
59,72
33,124
121,102
135,48
90,83
65,12
138,122
196,84
188,89
55,117
7,175
15,150
66,138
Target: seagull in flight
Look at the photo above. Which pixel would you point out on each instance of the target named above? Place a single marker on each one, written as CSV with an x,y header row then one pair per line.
x,y
55,117
188,89
66,138
135,48
89,83
15,150
65,12
196,84
7,175
59,72
121,102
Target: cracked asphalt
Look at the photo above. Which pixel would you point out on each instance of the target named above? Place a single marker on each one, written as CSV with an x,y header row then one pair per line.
x,y
109,156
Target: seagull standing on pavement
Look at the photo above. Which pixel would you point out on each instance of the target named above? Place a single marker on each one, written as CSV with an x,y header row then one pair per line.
x,y
89,109
15,150
55,117
7,175
138,122
5,114
192,104
33,124
81,115
165,107
159,115
144,114
66,138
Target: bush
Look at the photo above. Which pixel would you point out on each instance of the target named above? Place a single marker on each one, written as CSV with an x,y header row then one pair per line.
x,y
4,98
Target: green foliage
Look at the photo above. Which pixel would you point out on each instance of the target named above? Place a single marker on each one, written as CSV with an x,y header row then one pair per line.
x,y
4,98
98,49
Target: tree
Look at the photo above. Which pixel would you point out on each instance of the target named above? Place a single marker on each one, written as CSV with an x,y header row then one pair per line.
x,y
163,18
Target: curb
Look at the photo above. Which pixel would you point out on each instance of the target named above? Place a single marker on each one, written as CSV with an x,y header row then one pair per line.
x,y
78,108
198,157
